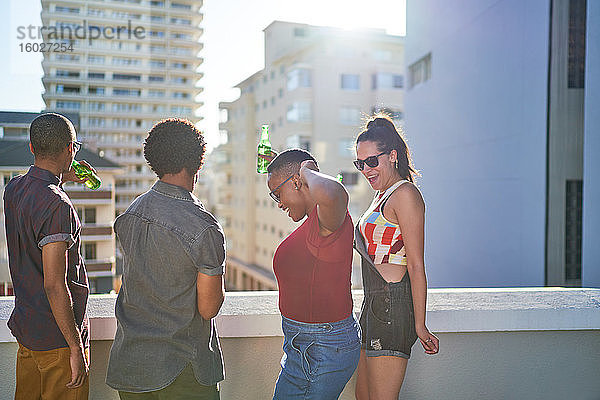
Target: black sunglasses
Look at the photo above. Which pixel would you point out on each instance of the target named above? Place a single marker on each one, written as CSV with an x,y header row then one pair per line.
x,y
272,192
371,161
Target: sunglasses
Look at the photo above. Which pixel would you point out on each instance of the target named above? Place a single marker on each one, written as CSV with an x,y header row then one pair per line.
x,y
276,196
371,161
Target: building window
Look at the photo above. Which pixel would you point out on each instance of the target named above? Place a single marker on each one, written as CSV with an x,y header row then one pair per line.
x,y
126,107
350,82
96,91
69,105
125,61
127,77
178,65
420,71
573,229
181,6
383,80
89,215
96,59
577,27
299,111
67,89
89,250
156,78
157,63
95,75
156,93
299,77
126,92
70,10
67,57
349,116
96,106
299,32
298,142
97,122
67,74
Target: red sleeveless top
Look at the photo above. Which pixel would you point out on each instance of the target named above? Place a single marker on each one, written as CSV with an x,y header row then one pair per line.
x,y
314,272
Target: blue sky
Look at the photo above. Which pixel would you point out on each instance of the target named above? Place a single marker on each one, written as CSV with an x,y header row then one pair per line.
x,y
233,44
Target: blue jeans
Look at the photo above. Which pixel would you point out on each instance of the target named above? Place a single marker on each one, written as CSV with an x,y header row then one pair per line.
x,y
318,359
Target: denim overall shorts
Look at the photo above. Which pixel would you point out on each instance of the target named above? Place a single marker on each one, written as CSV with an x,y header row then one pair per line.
x,y
387,318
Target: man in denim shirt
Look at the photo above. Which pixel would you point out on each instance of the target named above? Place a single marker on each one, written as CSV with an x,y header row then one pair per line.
x,y
166,345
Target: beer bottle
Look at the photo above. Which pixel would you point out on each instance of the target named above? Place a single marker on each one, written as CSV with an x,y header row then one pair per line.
x,y
264,149
83,172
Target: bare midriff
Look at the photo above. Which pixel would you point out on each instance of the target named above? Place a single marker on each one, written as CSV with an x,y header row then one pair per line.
x,y
391,272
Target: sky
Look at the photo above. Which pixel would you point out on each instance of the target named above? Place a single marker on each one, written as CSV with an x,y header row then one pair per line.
x,y
233,44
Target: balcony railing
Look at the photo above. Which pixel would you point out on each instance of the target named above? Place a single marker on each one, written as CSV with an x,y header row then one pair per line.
x,y
496,344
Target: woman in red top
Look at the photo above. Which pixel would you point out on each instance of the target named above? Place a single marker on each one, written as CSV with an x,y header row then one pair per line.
x,y
313,267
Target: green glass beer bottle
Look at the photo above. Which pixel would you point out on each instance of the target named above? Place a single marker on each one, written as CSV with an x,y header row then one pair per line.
x,y
83,172
264,148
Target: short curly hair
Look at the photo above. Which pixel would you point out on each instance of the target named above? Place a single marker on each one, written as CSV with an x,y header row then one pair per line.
x,y
50,134
173,144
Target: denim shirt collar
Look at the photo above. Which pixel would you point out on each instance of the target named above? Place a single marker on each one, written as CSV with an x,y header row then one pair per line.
x,y
174,191
43,174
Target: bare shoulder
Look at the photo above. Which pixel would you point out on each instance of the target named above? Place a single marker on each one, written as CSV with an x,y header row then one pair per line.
x,y
407,197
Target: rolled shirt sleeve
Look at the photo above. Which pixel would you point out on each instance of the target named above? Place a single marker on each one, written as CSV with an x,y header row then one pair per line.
x,y
210,252
59,226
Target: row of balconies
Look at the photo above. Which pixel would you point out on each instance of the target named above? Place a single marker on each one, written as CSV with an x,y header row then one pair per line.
x,y
135,5
78,102
120,82
76,61
173,18
136,90
190,52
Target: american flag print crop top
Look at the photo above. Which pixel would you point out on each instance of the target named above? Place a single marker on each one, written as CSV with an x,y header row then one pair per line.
x,y
383,238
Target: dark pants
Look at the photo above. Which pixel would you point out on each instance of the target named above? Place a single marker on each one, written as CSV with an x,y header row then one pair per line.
x,y
185,386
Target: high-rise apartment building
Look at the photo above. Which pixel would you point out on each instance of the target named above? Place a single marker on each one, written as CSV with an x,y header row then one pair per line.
x,y
317,86
125,65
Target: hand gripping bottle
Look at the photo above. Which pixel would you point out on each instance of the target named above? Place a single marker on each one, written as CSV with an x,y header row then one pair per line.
x,y
264,149
83,172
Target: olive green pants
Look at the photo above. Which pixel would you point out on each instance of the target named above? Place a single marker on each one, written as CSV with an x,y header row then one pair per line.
x,y
185,386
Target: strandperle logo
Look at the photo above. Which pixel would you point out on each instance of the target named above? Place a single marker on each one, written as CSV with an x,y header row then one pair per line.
x,y
85,31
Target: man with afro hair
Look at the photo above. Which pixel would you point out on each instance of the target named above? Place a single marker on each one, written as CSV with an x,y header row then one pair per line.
x,y
166,344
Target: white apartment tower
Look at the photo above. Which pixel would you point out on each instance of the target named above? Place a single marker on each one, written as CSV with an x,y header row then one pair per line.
x,y
128,64
317,86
